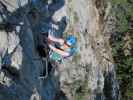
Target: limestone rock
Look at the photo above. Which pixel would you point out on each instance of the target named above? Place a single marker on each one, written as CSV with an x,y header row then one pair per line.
x,y
81,76
4,42
14,4
13,41
16,58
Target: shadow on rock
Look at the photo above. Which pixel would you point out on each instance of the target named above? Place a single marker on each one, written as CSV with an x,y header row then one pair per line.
x,y
30,69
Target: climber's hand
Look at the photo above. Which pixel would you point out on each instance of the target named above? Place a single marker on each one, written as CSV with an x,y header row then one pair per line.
x,y
61,41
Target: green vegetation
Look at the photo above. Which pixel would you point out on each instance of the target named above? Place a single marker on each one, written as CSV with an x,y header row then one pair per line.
x,y
124,13
81,92
119,1
124,62
122,46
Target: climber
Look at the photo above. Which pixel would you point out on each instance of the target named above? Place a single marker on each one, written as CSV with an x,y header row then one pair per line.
x,y
65,48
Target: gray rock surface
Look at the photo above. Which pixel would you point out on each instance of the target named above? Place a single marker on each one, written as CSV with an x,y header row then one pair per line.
x,y
4,43
84,72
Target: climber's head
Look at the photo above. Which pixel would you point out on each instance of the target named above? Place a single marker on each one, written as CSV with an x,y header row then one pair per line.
x,y
71,40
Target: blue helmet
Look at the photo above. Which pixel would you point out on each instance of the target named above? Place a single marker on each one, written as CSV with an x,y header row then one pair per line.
x,y
71,40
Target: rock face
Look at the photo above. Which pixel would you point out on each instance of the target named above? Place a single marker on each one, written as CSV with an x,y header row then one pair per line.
x,y
86,72
86,76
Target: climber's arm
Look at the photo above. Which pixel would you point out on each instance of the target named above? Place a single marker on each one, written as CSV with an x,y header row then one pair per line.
x,y
63,53
54,39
